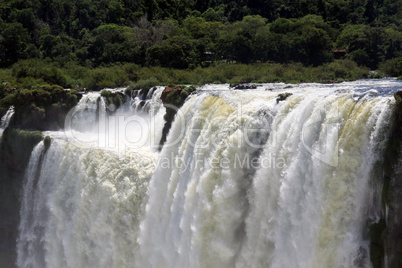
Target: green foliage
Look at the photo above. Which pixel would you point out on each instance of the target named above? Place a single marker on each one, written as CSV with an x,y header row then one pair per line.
x,y
13,42
188,34
114,43
176,52
351,33
106,93
392,67
115,98
144,84
42,107
360,56
342,69
38,69
369,46
375,75
106,77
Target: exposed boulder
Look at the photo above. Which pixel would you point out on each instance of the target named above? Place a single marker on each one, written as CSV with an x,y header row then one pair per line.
x,y
42,108
116,99
283,96
242,86
170,93
173,97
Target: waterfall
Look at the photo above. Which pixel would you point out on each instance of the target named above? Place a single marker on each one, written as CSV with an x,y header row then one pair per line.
x,y
245,179
93,123
82,207
142,99
303,201
5,120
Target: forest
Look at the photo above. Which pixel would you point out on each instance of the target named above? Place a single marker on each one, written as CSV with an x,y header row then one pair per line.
x,y
89,35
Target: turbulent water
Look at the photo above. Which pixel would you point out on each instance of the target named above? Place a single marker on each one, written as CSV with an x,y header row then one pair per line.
x,y
243,180
5,120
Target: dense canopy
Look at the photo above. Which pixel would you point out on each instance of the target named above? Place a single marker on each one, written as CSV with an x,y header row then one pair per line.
x,y
190,33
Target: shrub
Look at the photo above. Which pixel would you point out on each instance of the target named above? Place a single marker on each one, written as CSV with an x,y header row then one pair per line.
x,y
43,107
41,70
392,67
106,77
144,84
105,93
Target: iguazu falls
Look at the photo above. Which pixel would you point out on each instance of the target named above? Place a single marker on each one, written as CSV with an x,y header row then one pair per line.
x,y
278,175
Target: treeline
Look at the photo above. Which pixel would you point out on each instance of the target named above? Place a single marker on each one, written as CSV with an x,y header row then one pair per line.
x,y
191,33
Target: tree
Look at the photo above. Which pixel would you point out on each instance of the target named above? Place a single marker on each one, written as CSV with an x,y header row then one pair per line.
x,y
14,39
113,43
176,52
350,36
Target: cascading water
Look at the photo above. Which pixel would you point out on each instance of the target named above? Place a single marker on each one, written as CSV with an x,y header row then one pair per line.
x,y
243,180
142,99
5,120
303,202
82,207
80,184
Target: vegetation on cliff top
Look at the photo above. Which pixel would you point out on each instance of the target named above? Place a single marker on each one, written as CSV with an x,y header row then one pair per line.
x,y
191,33
94,44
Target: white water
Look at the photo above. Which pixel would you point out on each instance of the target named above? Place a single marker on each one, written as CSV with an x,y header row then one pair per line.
x,y
242,181
83,207
5,120
94,124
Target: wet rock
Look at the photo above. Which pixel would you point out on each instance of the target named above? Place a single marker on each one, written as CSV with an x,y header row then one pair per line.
x,y
233,85
398,102
173,97
386,233
244,86
15,150
283,96
47,142
113,99
170,92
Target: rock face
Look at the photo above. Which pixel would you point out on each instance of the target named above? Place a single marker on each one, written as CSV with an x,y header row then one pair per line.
x,y
15,149
43,108
386,233
391,236
173,90
173,97
113,98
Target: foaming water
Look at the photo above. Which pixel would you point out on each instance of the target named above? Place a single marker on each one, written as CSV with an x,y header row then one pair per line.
x,y
84,194
82,206
244,180
5,120
93,123
267,183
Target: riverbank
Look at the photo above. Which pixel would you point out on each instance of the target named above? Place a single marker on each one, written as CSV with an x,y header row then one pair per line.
x,y
40,82
28,74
